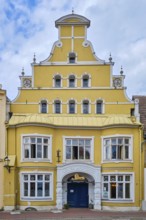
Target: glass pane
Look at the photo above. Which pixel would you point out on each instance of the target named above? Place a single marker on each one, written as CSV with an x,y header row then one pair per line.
x,y
39,140
120,178
75,153
68,142
32,177
87,142
105,178
120,190
72,107
87,153
47,190
105,191
126,141
33,151
113,152
39,151
120,141
57,107
127,190
81,142
45,151
85,108
126,152
57,83
32,140
32,189
99,108
26,153
39,189
75,142
71,82
47,177
40,177
107,152
26,140
45,140
120,152
25,177
127,178
81,153
43,108
85,82
68,152
25,189
113,190
113,178
107,142
113,141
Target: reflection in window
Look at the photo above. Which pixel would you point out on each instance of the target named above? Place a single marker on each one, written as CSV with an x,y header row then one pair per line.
x,y
57,81
85,107
57,107
71,106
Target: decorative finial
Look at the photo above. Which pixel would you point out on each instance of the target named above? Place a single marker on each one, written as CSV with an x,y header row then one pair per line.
x,y
121,72
22,73
72,10
110,58
34,58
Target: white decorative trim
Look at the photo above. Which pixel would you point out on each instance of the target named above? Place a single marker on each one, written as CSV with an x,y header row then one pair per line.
x,y
59,44
121,209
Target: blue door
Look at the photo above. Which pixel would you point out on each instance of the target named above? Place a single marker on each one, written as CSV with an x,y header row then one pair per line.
x,y
77,195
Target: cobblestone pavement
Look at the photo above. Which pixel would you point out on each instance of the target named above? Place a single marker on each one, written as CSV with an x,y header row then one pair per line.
x,y
73,214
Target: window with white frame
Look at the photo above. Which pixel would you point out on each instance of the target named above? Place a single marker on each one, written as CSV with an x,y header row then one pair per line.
x,y
43,106
57,81
117,148
85,107
71,106
99,107
36,186
72,57
78,148
57,107
36,147
117,186
71,81
85,81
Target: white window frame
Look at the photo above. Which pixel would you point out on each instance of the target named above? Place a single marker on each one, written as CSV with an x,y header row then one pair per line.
x,y
121,200
104,160
40,106
60,106
48,198
91,160
36,135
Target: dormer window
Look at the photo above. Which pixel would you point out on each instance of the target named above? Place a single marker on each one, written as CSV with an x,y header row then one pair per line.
x,y
43,106
72,81
72,57
85,81
57,81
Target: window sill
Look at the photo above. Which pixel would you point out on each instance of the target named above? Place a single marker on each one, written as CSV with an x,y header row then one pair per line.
x,y
80,161
118,201
36,199
36,161
117,161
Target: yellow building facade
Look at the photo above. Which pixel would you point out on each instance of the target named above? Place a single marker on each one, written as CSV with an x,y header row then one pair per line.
x,y
74,138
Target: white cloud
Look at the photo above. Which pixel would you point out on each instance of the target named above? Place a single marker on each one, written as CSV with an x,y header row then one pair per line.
x,y
116,26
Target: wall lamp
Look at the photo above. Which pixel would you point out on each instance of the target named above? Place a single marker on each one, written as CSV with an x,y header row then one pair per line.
x,y
7,164
58,155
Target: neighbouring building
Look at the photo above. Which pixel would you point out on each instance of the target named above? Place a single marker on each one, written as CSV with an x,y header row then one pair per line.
x,y
74,137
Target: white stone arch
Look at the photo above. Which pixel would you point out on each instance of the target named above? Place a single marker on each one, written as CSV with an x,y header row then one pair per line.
x,y
78,167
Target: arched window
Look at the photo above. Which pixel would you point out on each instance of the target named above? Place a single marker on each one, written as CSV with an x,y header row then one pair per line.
x,y
85,82
72,81
99,107
57,107
57,81
71,106
43,106
85,107
72,57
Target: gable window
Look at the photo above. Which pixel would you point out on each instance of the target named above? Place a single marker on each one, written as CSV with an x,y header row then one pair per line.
x,y
99,107
72,57
43,106
57,107
36,147
85,107
117,148
85,81
117,187
36,186
78,148
72,81
71,106
57,81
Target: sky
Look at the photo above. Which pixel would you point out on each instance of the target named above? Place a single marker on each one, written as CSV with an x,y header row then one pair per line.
x,y
117,27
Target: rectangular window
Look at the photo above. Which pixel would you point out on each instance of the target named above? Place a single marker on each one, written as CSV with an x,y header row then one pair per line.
x,y
36,147
117,187
78,149
36,186
117,148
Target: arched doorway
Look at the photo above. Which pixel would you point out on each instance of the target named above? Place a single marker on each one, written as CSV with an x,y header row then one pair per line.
x,y
68,186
